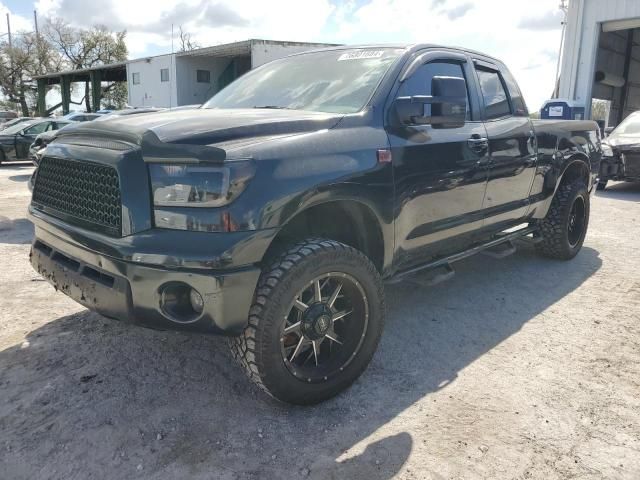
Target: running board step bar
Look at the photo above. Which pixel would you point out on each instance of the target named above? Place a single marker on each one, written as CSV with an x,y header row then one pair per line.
x,y
431,277
445,262
501,250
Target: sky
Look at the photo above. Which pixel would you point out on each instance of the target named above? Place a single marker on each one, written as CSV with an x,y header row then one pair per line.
x,y
525,34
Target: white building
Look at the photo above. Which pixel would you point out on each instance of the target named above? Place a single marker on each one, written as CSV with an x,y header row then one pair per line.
x,y
601,57
193,77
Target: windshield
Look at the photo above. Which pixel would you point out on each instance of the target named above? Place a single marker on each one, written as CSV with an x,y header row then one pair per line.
x,y
12,130
334,81
630,126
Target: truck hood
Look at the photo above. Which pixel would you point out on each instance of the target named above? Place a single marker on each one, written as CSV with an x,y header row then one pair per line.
x,y
209,126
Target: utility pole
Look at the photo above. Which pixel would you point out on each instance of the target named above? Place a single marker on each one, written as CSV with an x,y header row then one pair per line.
x,y
9,31
35,23
171,71
10,49
563,7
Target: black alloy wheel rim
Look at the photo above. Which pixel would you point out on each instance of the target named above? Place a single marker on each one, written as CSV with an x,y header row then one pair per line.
x,y
577,220
324,327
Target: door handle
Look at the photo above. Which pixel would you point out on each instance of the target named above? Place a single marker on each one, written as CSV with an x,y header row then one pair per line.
x,y
478,144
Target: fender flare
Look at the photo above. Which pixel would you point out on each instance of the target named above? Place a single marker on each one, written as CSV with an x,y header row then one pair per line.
x,y
339,195
555,176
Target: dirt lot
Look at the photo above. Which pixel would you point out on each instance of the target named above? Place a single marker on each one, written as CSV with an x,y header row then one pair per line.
x,y
519,368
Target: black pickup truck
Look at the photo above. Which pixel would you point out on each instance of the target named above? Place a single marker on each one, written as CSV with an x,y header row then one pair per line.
x,y
274,213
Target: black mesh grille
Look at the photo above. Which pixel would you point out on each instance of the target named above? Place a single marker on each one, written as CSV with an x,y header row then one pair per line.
x,y
79,192
632,165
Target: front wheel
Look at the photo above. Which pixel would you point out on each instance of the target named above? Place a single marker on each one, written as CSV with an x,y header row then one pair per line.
x,y
564,228
315,323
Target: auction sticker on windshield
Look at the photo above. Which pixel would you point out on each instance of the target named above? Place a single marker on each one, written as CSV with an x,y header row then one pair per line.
x,y
361,54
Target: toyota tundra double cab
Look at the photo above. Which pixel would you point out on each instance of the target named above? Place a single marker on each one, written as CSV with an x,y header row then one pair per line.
x,y
274,213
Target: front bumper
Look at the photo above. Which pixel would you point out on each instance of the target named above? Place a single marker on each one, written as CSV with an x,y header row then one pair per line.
x,y
624,165
130,287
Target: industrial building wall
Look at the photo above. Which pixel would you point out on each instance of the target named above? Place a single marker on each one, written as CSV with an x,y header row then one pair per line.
x,y
152,91
183,87
190,91
584,25
263,52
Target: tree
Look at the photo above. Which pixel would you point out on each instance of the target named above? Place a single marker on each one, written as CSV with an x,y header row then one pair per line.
x,y
115,95
29,56
186,41
600,109
86,48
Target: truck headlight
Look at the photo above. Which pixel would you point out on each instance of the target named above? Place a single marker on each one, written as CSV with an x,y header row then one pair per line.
x,y
198,185
607,151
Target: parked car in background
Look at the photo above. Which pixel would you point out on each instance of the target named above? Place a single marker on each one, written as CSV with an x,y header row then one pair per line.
x,y
41,142
81,116
128,111
621,153
15,121
6,115
16,140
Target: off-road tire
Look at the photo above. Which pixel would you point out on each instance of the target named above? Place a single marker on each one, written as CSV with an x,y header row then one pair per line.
x,y
258,348
554,228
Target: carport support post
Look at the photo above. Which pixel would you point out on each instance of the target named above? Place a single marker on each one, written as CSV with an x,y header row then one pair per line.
x,y
65,93
96,89
627,67
42,97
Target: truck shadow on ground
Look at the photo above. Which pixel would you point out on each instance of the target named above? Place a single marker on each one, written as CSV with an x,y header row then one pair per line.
x,y
622,191
20,178
91,395
16,231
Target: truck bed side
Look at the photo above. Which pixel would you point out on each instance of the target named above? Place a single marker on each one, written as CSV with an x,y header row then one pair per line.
x,y
565,147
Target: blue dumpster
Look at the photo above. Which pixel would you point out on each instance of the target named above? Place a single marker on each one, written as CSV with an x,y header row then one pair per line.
x,y
562,109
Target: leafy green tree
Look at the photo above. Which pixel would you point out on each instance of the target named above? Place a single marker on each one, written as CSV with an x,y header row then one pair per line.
x,y
29,56
85,48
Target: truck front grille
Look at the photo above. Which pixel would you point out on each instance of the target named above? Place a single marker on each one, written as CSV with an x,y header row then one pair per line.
x,y
79,192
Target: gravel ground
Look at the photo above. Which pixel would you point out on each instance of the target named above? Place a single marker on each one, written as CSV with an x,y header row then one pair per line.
x,y
517,368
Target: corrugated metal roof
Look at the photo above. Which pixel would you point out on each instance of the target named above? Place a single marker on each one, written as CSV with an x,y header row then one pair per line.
x,y
81,71
244,47
224,50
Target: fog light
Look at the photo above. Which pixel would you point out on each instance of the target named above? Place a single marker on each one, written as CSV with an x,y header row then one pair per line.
x,y
197,303
180,303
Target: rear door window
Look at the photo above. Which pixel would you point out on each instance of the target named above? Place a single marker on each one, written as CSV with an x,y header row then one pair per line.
x,y
496,102
517,102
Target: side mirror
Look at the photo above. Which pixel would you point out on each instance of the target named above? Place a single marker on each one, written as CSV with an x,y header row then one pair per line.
x,y
447,106
608,130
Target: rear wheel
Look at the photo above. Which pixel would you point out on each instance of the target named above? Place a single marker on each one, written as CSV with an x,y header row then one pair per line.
x,y
564,228
315,323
